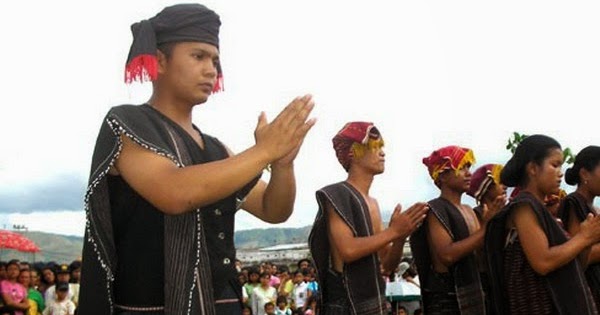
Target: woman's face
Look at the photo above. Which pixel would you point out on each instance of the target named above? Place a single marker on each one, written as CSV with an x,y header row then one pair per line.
x,y
48,276
591,180
548,175
253,277
265,280
25,278
35,278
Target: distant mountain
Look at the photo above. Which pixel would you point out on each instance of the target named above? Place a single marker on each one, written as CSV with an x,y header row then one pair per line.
x,y
64,249
258,238
54,247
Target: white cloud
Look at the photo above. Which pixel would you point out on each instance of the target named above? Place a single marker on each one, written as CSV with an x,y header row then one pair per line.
x,y
58,222
427,73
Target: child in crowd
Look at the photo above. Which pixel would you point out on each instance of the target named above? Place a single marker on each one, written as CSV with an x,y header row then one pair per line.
x,y
282,308
269,308
62,305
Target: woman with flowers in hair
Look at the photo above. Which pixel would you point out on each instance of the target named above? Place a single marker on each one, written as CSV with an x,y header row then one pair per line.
x,y
575,207
532,261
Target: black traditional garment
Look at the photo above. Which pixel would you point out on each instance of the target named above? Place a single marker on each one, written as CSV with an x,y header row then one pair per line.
x,y
463,282
566,286
191,278
482,266
575,204
528,293
364,286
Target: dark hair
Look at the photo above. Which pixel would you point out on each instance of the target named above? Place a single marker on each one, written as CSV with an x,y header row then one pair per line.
x,y
15,262
253,270
167,48
283,268
263,275
310,300
246,307
418,311
281,299
535,149
303,260
76,264
62,286
269,304
588,159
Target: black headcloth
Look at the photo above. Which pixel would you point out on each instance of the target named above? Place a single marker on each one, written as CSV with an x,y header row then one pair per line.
x,y
178,23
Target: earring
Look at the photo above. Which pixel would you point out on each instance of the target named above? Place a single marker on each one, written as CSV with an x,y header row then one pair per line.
x,y
585,182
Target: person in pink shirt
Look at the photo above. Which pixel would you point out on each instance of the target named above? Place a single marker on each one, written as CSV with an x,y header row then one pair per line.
x,y
14,294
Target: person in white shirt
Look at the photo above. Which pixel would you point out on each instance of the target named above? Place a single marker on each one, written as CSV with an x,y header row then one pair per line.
x,y
300,291
63,274
263,294
62,305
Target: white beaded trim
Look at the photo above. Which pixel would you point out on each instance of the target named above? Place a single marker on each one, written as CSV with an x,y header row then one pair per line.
x,y
118,130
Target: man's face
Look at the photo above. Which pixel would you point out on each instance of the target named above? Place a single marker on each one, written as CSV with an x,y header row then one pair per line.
x,y
459,180
63,277
303,264
494,191
76,275
373,160
12,271
190,72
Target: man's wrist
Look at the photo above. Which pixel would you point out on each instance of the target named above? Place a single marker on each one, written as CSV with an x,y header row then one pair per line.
x,y
281,166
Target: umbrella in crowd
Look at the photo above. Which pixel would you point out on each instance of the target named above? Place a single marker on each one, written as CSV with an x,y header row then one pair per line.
x,y
16,241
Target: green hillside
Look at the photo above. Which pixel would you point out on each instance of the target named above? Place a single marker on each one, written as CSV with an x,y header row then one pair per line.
x,y
64,249
257,238
54,247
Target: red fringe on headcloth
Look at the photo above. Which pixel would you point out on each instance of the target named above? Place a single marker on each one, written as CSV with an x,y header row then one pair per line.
x,y
144,68
141,68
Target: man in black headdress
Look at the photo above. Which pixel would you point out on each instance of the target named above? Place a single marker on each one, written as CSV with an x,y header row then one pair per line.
x,y
162,195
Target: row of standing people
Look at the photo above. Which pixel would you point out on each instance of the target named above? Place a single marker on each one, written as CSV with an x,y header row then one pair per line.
x,y
536,254
161,242
25,292
294,289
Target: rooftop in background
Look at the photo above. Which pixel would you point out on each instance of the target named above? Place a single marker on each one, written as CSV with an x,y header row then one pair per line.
x,y
285,247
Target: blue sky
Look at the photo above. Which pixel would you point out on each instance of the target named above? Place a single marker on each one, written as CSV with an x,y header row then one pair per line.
x,y
427,73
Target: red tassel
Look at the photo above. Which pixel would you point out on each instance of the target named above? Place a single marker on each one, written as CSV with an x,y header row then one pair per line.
x,y
219,85
142,68
514,193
